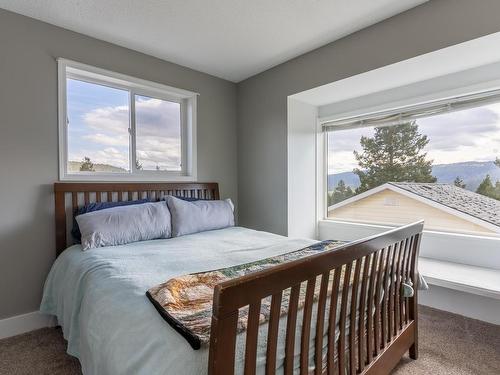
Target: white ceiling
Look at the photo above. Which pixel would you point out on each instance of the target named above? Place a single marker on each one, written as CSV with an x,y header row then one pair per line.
x,y
231,39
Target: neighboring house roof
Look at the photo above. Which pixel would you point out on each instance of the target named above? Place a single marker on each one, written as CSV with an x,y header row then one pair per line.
x,y
450,198
463,200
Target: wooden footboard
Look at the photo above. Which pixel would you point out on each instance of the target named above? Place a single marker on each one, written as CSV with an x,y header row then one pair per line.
x,y
371,341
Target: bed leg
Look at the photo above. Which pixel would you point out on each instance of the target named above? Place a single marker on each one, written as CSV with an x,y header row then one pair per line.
x,y
414,350
414,317
414,300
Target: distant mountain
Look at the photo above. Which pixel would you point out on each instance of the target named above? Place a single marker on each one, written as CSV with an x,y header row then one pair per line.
x,y
351,179
472,172
74,166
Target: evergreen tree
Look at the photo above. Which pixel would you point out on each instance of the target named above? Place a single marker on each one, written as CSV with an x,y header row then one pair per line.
x,y
340,193
87,165
138,164
459,182
487,188
329,198
394,153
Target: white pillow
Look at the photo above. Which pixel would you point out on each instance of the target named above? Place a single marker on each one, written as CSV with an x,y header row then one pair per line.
x,y
199,216
125,224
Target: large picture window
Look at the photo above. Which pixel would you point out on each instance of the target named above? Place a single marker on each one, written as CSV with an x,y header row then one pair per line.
x,y
441,165
114,127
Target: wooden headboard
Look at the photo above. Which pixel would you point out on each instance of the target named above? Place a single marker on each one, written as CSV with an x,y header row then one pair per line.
x,y
69,196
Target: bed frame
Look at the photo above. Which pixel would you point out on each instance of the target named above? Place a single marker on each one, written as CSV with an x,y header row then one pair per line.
x,y
367,343
374,347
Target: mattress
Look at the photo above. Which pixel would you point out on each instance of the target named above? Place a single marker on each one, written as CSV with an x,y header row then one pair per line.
x,y
98,297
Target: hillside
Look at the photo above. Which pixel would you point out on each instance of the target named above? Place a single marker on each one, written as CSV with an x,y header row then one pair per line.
x,y
74,166
472,172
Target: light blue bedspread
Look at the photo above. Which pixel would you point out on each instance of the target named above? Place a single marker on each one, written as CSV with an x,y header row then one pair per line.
x,y
99,297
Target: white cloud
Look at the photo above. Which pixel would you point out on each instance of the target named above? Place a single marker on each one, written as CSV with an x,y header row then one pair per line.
x,y
468,135
112,120
103,139
157,129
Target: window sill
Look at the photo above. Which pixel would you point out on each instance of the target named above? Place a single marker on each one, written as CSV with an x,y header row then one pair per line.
x,y
469,279
476,251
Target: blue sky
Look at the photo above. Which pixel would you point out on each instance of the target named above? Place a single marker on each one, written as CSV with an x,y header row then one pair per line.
x,y
468,135
99,121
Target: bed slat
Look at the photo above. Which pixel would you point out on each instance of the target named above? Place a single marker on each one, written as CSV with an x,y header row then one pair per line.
x,y
390,317
371,300
291,324
385,298
378,294
404,275
74,201
343,316
352,323
272,334
320,324
332,326
223,357
252,337
362,312
306,326
398,294
408,276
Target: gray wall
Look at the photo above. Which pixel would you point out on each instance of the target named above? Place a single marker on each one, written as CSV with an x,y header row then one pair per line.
x,y
28,140
28,120
262,99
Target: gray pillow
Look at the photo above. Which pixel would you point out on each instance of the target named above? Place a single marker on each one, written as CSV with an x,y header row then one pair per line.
x,y
122,225
199,216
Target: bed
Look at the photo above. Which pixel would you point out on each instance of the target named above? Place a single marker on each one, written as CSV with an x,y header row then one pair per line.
x,y
99,297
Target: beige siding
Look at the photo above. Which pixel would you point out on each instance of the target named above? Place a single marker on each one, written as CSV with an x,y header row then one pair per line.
x,y
389,207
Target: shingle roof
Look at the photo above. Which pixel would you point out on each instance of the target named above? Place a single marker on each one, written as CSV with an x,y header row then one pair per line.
x,y
459,199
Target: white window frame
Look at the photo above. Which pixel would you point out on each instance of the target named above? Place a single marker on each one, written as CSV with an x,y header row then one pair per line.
x,y
482,91
135,86
441,245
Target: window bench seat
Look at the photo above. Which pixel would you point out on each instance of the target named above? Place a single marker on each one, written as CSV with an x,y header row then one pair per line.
x,y
469,279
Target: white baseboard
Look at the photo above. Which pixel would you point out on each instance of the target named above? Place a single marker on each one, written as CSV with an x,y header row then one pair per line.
x,y
24,323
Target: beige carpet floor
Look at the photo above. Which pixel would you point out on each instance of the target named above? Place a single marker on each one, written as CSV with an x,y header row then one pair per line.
x,y
449,344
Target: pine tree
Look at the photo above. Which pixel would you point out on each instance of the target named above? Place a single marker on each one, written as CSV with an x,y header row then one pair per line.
x,y
138,164
87,165
487,188
340,193
329,199
459,182
394,153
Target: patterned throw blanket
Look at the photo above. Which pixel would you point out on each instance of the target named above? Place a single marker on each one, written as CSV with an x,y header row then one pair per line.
x,y
185,302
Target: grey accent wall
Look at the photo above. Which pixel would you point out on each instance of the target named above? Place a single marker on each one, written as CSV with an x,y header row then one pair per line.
x,y
262,99
29,140
28,120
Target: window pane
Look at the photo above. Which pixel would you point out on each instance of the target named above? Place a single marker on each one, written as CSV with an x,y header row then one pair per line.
x,y
410,172
98,123
158,134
